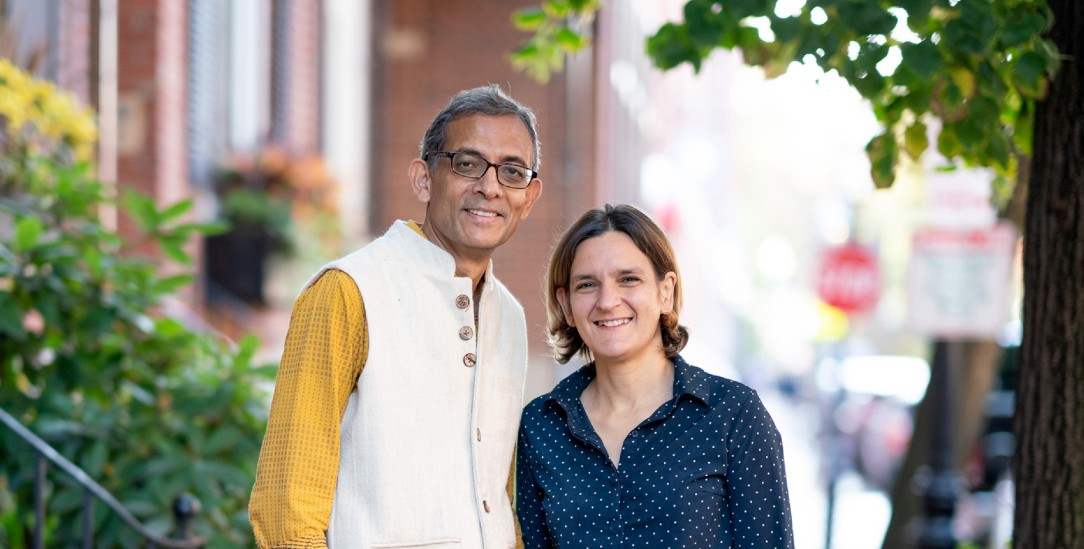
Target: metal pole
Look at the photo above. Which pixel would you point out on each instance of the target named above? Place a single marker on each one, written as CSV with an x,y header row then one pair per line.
x,y
836,458
39,500
185,508
943,485
88,519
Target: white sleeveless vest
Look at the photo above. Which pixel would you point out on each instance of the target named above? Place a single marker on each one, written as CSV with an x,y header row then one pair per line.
x,y
428,436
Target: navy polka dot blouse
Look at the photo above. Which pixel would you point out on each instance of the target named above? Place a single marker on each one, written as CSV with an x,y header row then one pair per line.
x,y
705,470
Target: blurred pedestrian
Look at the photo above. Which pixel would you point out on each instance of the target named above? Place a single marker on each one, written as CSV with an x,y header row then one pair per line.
x,y
639,448
395,410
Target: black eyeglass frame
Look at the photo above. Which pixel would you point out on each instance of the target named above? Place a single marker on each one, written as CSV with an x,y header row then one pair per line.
x,y
532,174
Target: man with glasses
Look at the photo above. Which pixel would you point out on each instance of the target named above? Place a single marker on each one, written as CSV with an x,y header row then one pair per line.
x,y
398,397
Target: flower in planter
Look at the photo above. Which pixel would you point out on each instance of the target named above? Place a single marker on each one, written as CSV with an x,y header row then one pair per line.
x,y
271,192
271,200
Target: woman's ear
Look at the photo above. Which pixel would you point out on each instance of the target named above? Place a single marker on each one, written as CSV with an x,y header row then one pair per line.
x,y
566,308
666,288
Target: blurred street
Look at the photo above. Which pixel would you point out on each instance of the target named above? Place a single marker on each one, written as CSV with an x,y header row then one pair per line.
x,y
860,515
274,137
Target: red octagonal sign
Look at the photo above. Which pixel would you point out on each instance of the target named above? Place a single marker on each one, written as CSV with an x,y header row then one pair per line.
x,y
849,278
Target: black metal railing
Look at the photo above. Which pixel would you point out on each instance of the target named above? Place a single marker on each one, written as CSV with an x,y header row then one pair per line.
x,y
184,508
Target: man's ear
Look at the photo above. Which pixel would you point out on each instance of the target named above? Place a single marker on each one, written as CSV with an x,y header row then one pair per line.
x,y
566,309
420,179
534,190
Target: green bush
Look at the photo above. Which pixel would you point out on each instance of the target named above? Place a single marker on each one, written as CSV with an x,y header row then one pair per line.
x,y
90,362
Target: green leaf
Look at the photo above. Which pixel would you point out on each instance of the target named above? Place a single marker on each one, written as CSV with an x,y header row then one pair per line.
x,y
870,85
671,46
557,9
171,284
915,141
223,438
11,317
964,79
1020,28
206,229
883,153
997,149
706,26
922,57
569,40
918,14
949,143
529,19
94,460
1029,75
918,99
141,208
584,6
959,36
787,29
990,81
865,18
27,231
173,247
176,210
1023,130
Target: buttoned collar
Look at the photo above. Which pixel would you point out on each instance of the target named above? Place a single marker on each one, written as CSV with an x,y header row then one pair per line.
x,y
444,258
687,381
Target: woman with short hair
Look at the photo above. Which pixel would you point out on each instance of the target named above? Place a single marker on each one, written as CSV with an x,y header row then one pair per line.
x,y
639,448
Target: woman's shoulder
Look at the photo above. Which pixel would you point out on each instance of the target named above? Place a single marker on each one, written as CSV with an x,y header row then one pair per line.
x,y
565,392
711,388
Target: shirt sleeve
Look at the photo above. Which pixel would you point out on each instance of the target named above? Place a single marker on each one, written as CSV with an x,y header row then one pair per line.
x,y
759,499
532,521
324,354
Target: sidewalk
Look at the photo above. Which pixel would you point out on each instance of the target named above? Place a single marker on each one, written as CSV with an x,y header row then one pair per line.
x,y
860,515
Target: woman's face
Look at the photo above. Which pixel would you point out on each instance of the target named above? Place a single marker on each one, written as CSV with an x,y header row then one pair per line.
x,y
614,299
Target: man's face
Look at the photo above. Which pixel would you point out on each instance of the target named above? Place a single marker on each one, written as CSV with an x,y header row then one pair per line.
x,y
472,217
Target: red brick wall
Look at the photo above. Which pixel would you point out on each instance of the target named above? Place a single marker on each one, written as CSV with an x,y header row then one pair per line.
x,y
303,109
151,80
425,51
74,56
151,86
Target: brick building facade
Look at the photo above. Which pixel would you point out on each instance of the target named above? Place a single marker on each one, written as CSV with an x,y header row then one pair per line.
x,y
199,79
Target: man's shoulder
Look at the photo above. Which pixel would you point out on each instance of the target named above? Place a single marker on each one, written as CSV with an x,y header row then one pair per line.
x,y
505,299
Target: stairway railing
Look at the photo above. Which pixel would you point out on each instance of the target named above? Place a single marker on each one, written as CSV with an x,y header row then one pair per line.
x,y
184,508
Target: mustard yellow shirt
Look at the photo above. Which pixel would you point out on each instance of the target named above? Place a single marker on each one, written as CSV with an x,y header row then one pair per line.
x,y
324,355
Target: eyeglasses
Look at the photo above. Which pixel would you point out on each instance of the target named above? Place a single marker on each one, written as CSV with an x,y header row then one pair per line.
x,y
475,167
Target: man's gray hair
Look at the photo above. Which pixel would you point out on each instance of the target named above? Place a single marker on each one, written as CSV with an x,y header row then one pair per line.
x,y
487,100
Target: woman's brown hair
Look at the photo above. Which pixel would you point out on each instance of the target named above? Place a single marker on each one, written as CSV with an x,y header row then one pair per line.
x,y
648,237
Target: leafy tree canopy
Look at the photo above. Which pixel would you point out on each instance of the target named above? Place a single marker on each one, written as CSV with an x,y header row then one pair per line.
x,y
973,69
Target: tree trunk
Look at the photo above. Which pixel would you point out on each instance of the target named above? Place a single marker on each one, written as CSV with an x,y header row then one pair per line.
x,y
1049,459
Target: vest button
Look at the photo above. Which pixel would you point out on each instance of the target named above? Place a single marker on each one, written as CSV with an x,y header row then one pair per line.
x,y
462,301
485,505
469,359
465,333
478,434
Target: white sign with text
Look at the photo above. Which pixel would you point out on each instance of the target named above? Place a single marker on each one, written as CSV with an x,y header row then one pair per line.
x,y
958,281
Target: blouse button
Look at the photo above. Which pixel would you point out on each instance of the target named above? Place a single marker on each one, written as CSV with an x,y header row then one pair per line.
x,y
462,301
469,359
465,333
485,505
